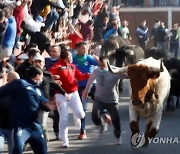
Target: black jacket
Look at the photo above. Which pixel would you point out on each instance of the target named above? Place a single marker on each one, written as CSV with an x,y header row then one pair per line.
x,y
49,86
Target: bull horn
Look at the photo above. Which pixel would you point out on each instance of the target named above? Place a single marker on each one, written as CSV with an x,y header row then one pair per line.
x,y
129,52
157,69
161,65
116,70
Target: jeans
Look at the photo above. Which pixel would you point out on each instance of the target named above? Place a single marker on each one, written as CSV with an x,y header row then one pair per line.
x,y
6,134
84,103
34,137
51,19
162,46
174,48
112,109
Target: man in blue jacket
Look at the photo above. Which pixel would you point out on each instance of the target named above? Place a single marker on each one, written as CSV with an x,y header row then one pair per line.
x,y
27,100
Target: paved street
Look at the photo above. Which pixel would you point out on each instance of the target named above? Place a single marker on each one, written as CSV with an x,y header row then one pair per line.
x,y
170,127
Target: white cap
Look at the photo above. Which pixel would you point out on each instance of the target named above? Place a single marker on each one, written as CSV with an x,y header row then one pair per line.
x,y
38,56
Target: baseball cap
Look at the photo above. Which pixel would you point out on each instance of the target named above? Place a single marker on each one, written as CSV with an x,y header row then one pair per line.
x,y
38,56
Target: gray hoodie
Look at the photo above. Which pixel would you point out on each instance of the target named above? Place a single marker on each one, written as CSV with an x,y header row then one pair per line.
x,y
106,85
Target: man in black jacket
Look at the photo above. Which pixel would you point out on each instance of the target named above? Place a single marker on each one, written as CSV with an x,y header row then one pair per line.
x,y
49,87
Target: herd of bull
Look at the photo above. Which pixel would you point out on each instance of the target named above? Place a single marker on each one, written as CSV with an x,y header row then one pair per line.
x,y
154,78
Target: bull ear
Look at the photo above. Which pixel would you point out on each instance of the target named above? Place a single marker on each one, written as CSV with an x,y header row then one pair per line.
x,y
116,70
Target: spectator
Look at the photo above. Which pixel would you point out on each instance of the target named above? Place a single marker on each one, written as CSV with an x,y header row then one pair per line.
x,y
97,6
178,34
174,42
88,7
162,34
111,32
86,30
142,33
100,21
114,14
9,36
125,30
39,38
75,36
154,31
36,9
19,16
3,26
77,11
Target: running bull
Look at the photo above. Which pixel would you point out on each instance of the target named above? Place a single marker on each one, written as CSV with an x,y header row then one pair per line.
x,y
150,84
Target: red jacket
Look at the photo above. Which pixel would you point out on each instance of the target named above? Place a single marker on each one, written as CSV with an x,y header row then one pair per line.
x,y
74,40
19,16
69,74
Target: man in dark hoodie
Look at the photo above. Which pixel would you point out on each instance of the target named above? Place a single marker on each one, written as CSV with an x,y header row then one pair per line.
x,y
5,106
27,100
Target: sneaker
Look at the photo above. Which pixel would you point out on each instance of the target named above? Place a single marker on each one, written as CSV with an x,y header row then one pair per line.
x,y
82,136
65,143
118,141
64,146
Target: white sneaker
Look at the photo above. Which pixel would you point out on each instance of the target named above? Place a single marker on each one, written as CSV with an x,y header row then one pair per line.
x,y
118,141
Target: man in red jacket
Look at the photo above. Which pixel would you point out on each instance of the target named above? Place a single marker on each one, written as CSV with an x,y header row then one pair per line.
x,y
68,74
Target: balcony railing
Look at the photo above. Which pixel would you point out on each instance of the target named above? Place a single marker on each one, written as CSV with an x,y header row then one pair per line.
x,y
146,3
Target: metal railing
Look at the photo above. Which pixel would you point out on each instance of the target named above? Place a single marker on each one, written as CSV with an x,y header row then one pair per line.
x,y
146,3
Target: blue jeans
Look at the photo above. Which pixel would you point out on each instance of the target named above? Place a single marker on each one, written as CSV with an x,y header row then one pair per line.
x,y
84,103
34,137
6,134
51,19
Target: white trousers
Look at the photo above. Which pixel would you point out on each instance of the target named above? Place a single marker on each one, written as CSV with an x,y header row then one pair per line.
x,y
76,106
